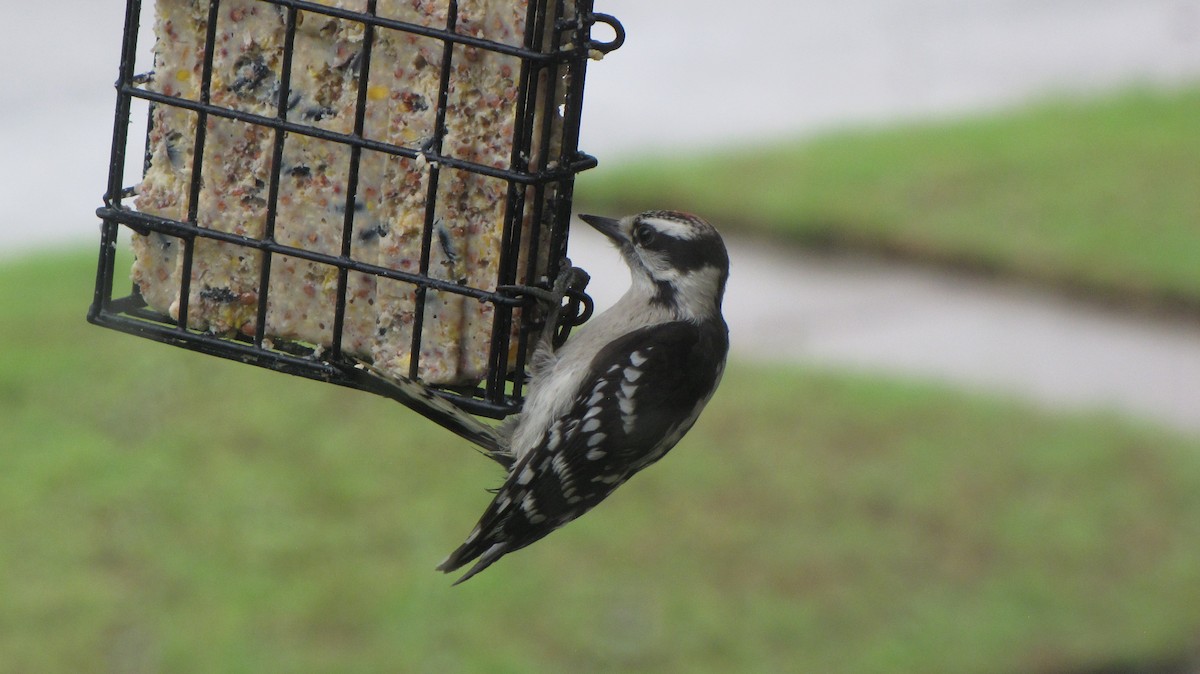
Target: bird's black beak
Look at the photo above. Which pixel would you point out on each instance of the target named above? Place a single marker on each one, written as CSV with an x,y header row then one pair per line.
x,y
607,226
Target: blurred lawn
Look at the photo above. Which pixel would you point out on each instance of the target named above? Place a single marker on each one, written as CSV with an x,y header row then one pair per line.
x,y
166,511
1098,196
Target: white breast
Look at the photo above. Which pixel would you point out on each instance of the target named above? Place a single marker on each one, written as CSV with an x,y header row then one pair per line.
x,y
554,388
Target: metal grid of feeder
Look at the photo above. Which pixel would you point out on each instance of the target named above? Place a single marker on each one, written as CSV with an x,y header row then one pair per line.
x,y
228,169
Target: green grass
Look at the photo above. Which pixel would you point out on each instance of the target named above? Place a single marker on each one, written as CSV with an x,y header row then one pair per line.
x,y
1101,196
166,511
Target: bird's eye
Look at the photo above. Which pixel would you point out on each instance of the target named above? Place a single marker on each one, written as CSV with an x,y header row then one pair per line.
x,y
643,234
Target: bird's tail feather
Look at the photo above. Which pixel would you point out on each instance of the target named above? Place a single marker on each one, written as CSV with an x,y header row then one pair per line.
x,y
469,551
488,440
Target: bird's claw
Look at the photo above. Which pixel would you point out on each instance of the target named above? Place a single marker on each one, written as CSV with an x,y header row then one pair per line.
x,y
570,279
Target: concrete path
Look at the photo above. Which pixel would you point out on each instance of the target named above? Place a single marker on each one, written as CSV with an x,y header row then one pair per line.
x,y
710,72
860,313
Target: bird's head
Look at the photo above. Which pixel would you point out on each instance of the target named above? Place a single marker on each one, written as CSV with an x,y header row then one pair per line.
x,y
676,259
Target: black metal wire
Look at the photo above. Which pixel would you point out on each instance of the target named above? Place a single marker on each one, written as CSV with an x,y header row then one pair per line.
x,y
281,110
575,162
553,58
433,146
115,192
360,116
197,178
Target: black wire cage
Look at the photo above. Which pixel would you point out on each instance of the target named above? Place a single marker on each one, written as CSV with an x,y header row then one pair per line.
x,y
313,190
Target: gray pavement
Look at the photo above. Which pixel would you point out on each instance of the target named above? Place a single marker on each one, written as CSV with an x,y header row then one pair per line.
x,y
711,72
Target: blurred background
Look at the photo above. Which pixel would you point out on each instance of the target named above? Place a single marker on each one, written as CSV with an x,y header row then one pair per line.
x,y
960,433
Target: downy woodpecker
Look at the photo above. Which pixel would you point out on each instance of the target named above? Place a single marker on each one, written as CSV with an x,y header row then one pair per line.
x,y
617,395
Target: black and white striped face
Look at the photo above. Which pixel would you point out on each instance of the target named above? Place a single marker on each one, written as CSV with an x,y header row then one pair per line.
x,y
680,257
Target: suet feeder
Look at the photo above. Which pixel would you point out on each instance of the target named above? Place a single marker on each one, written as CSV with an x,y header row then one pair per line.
x,y
325,183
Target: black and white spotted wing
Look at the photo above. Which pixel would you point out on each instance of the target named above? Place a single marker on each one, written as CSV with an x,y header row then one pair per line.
x,y
638,401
